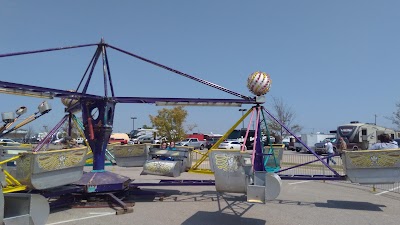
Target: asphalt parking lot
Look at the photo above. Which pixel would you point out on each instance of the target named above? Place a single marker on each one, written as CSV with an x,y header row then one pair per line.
x,y
300,202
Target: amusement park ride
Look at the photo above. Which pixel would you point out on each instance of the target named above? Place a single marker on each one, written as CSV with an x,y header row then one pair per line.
x,y
57,174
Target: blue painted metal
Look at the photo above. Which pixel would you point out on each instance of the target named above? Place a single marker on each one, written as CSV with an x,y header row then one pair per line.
x,y
103,181
101,127
45,50
259,157
49,91
197,100
175,183
311,177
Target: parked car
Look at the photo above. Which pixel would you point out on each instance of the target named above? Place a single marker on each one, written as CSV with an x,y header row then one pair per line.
x,y
145,139
192,142
210,142
231,145
9,142
117,140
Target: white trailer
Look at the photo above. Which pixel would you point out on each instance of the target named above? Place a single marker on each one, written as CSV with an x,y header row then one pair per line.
x,y
311,139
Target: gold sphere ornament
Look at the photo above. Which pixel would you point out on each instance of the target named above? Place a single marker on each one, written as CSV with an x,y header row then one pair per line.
x,y
259,83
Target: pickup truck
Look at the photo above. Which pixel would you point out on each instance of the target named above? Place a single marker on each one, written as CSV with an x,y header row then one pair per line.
x,y
320,148
192,142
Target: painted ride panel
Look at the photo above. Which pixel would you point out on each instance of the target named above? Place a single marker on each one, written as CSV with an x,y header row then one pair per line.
x,y
21,208
162,168
273,164
43,170
25,209
14,150
130,155
232,170
3,183
7,152
171,163
372,166
266,187
182,154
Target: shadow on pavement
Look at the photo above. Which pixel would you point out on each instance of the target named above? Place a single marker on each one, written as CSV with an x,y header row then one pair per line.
x,y
367,206
218,218
231,209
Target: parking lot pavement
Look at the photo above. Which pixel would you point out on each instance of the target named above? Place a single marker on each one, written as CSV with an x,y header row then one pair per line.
x,y
300,202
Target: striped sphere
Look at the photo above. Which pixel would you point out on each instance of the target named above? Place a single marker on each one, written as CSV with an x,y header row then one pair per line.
x,y
259,83
69,101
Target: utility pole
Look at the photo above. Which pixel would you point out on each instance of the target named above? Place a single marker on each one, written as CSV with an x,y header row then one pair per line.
x,y
242,110
375,118
133,123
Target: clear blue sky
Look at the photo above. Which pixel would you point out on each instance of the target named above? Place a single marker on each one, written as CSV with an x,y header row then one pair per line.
x,y
330,61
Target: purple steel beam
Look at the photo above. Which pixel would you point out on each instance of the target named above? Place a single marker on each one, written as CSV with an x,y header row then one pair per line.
x,y
50,91
309,149
182,73
87,69
311,177
109,73
303,164
97,55
45,50
176,183
53,131
197,100
103,56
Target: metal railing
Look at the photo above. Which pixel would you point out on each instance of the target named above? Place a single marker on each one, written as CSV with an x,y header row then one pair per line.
x,y
315,168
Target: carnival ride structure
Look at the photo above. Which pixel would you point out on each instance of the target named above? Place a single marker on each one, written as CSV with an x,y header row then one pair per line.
x,y
256,173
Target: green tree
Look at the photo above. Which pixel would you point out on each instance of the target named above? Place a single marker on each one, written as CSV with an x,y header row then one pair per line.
x,y
286,116
147,127
169,123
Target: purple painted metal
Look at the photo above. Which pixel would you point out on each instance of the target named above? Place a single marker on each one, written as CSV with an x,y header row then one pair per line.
x,y
70,124
182,74
97,55
45,50
87,69
101,126
311,177
103,181
176,183
109,74
53,131
103,56
309,149
50,91
258,157
154,100
56,192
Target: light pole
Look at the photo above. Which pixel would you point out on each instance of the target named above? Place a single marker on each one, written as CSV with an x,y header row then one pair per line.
x,y
242,110
133,123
